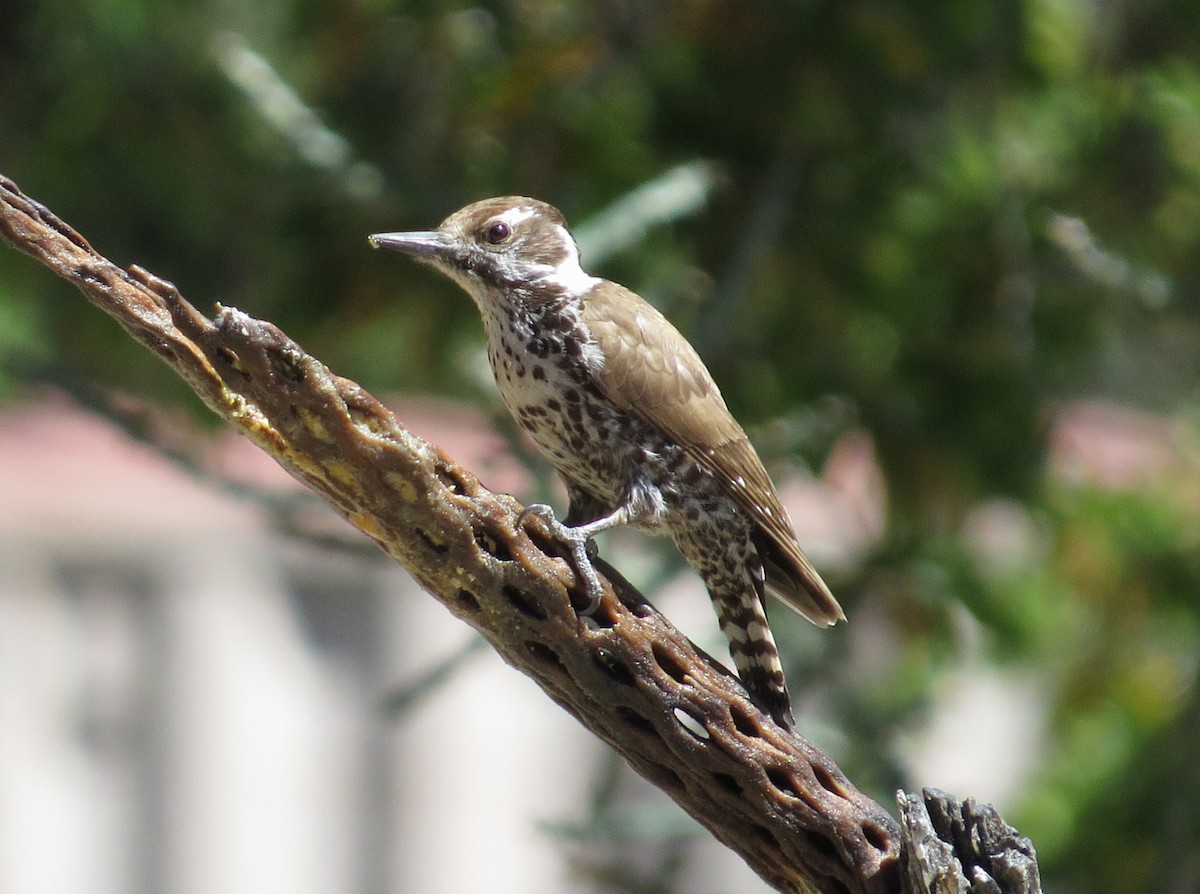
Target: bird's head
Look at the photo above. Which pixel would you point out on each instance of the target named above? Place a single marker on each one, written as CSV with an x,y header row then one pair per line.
x,y
501,250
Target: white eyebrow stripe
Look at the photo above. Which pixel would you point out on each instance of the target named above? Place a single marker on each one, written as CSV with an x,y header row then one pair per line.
x,y
514,216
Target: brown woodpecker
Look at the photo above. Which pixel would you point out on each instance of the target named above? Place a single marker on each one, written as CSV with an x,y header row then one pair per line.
x,y
628,414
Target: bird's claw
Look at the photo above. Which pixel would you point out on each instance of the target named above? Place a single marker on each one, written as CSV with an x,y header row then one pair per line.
x,y
578,542
543,511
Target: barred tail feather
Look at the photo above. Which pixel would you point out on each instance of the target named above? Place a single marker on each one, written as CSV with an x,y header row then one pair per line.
x,y
755,655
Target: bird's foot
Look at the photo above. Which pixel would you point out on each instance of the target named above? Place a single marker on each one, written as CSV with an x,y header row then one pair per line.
x,y
579,541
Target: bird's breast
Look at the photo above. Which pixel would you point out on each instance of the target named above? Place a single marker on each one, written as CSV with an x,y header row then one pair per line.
x,y
543,370
545,379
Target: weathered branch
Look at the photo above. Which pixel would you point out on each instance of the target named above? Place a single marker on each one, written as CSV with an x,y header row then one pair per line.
x,y
949,847
673,713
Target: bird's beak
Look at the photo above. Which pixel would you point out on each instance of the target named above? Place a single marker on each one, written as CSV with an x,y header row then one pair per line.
x,y
425,245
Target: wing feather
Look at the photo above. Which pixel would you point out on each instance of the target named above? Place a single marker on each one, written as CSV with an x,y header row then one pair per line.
x,y
652,371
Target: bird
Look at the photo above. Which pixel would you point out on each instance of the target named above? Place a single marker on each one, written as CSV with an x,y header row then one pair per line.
x,y
631,419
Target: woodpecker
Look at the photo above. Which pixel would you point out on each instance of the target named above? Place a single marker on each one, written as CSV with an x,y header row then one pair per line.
x,y
625,410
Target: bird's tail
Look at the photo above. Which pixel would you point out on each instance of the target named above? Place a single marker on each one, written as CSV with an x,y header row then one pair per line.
x,y
736,581
752,646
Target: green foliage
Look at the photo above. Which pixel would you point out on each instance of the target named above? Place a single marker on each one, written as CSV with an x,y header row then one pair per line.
x,y
936,222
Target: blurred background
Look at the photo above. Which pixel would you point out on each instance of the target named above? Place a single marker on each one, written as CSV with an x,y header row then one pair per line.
x,y
942,257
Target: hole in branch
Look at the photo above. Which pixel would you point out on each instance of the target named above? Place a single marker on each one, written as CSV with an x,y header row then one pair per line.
x,y
823,846
635,721
669,663
876,836
727,782
691,724
744,723
491,544
602,618
425,537
611,666
544,655
826,781
522,603
782,780
450,477
467,601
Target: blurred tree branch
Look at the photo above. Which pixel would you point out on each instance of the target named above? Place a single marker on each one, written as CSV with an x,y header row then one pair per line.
x,y
673,713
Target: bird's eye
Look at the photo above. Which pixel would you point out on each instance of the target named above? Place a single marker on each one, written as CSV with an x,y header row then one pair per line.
x,y
497,232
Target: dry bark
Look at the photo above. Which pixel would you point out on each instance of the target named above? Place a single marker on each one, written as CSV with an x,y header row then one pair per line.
x,y
949,847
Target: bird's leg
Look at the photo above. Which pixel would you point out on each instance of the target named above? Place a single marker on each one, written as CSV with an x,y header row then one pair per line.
x,y
577,539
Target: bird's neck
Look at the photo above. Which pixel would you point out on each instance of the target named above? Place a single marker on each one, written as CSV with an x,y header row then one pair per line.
x,y
567,277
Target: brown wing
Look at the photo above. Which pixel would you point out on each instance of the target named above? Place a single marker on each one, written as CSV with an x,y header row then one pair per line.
x,y
652,371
